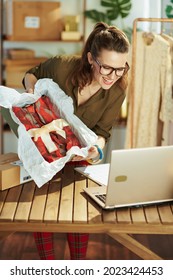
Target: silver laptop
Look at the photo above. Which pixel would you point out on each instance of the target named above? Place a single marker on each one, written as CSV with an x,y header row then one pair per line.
x,y
134,177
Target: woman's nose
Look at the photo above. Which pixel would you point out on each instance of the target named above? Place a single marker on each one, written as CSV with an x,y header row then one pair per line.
x,y
112,75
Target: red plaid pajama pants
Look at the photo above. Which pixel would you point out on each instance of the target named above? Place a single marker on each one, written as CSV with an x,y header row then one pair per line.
x,y
77,244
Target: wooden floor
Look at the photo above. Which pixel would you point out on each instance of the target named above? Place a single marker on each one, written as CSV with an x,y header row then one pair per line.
x,y
21,246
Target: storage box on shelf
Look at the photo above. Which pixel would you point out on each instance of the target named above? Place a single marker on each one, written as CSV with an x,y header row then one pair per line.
x,y
33,20
20,53
70,35
16,68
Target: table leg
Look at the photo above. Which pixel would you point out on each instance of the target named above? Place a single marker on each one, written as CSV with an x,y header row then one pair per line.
x,y
134,246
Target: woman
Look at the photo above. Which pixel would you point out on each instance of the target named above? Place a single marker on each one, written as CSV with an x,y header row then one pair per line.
x,y
96,82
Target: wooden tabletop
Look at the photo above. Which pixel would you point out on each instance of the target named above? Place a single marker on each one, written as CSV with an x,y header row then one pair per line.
x,y
62,206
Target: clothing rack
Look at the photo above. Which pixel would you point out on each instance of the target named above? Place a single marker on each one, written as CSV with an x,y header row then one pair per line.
x,y
134,46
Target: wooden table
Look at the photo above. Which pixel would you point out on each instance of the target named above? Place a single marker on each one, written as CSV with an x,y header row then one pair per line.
x,y
62,206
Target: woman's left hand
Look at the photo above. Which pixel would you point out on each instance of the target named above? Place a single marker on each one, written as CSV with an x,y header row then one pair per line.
x,y
92,153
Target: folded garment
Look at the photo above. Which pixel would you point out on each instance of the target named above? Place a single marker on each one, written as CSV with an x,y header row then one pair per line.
x,y
49,132
52,135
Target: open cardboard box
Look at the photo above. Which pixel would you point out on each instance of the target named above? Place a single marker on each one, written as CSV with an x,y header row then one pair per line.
x,y
12,172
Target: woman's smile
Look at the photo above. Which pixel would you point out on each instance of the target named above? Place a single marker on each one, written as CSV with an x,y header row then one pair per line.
x,y
107,82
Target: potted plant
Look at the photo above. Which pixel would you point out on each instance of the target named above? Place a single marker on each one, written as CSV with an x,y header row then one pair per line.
x,y
169,10
114,9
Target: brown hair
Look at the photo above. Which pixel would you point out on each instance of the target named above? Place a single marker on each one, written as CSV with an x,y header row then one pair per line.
x,y
103,36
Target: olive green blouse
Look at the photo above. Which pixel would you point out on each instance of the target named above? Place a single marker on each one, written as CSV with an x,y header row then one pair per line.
x,y
100,111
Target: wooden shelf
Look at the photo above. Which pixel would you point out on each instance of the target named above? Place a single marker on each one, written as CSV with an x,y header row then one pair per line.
x,y
47,41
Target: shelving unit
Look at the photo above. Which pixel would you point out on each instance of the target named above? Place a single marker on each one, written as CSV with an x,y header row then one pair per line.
x,y
41,47
77,8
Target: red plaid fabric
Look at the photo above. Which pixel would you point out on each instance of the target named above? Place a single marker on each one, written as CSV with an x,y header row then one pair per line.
x,y
40,113
78,243
44,243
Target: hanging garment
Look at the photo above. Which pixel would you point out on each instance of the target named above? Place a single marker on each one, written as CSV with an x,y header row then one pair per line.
x,y
166,114
152,83
74,137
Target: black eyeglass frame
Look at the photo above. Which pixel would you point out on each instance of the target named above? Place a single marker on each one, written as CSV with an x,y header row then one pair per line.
x,y
126,68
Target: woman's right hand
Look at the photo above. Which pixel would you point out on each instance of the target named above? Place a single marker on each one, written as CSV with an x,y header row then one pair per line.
x,y
29,82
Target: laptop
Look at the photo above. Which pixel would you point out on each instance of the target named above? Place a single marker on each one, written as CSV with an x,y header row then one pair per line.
x,y
134,177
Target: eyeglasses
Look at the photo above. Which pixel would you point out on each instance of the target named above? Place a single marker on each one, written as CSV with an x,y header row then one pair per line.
x,y
107,70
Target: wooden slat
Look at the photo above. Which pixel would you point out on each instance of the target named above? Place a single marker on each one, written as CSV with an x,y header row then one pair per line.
x,y
137,215
166,214
3,195
66,203
80,203
123,215
25,202
94,210
109,216
152,215
136,247
11,202
38,206
53,201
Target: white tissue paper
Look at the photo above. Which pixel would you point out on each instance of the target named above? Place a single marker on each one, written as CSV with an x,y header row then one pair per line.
x,y
38,168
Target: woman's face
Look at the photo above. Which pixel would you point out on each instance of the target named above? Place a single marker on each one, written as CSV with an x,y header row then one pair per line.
x,y
103,65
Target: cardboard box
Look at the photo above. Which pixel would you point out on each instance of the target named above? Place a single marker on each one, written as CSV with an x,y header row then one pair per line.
x,y
33,20
16,69
12,172
20,53
70,35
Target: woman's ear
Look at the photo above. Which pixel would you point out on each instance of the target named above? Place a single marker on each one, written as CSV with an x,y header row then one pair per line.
x,y
90,59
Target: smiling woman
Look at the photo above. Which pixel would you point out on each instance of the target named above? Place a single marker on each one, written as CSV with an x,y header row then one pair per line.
x,y
96,82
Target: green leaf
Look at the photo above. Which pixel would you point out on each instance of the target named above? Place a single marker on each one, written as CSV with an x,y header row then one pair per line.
x,y
115,9
169,11
96,16
119,8
108,3
113,14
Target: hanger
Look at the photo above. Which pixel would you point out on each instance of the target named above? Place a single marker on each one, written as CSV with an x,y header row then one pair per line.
x,y
148,38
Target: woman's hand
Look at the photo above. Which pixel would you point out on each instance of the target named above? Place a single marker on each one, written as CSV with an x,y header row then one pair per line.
x,y
30,81
92,154
29,90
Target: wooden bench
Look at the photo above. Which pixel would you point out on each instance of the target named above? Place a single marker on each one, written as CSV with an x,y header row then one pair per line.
x,y
62,206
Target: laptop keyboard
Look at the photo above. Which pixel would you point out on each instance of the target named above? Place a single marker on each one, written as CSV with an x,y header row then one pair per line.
x,y
102,197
